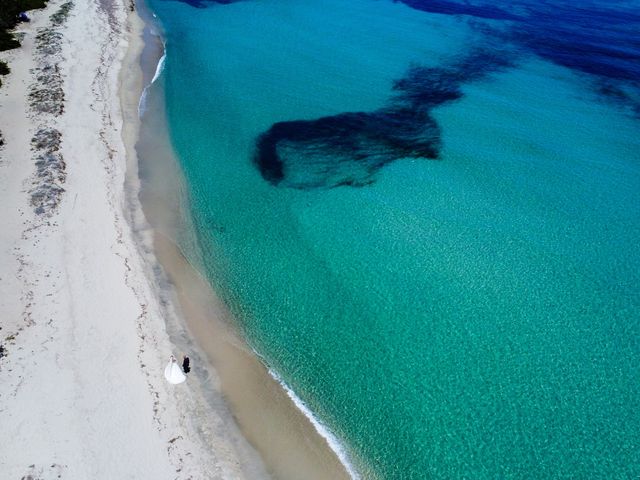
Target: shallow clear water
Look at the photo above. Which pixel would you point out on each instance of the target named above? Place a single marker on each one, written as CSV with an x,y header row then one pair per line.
x,y
426,218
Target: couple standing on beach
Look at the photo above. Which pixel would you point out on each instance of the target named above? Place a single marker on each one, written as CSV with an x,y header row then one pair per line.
x,y
173,373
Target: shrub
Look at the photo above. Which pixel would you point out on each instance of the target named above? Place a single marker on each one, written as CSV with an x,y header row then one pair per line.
x,y
4,68
9,18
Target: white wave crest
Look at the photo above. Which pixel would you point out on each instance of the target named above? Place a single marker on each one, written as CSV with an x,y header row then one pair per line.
x,y
142,103
324,432
159,67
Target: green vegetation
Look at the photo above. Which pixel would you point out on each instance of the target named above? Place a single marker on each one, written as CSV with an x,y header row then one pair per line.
x,y
9,18
9,11
4,69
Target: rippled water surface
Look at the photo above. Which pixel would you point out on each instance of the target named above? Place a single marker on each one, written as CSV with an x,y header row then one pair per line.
x,y
426,217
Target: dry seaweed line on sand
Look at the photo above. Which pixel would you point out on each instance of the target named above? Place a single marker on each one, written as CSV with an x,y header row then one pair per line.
x,y
46,101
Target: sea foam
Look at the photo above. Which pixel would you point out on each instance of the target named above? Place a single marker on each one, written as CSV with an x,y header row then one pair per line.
x,y
321,428
142,103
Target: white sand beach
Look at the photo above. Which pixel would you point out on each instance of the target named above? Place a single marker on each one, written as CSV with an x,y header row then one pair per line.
x,y
83,328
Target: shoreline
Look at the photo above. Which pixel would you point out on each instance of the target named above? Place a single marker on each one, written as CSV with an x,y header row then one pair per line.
x,y
249,387
208,414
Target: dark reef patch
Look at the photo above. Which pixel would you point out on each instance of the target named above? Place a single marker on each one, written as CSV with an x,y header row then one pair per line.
x,y
460,8
345,149
598,39
205,3
349,148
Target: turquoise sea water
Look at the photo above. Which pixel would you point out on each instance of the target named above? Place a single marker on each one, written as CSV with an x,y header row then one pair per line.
x,y
448,275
